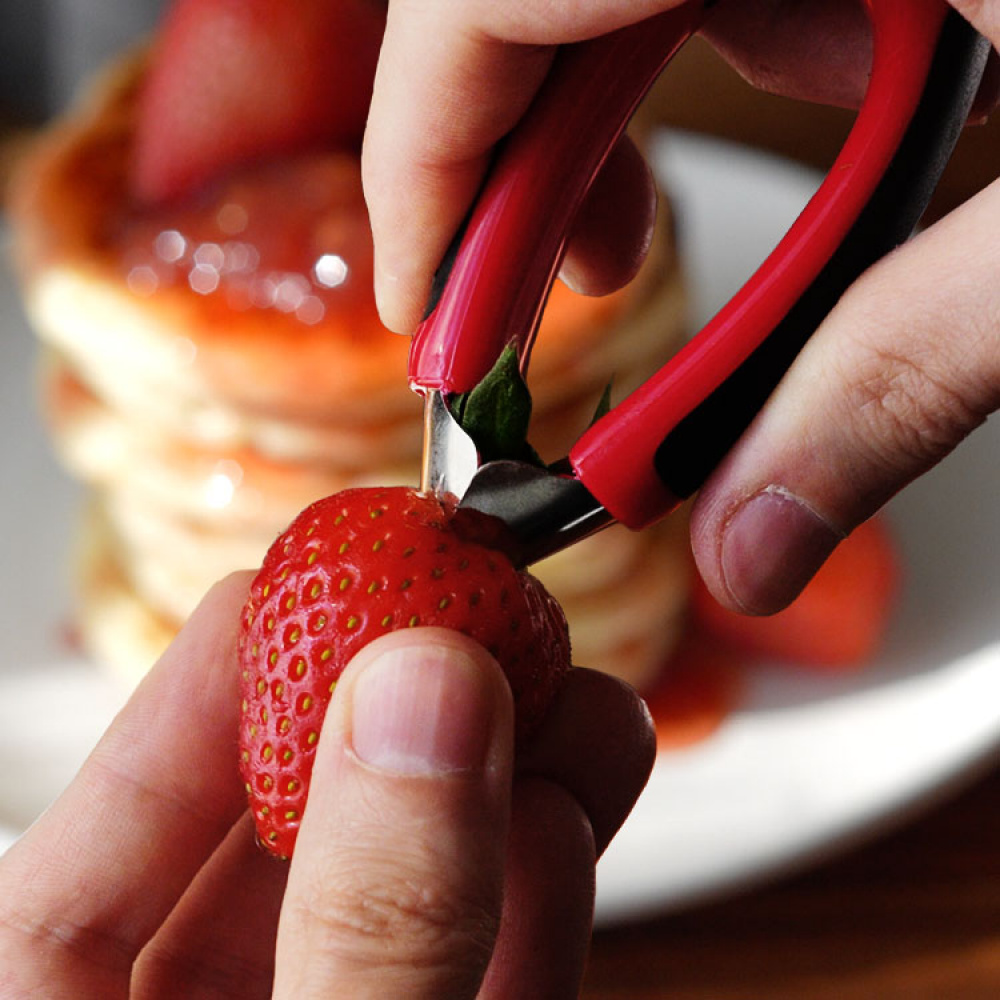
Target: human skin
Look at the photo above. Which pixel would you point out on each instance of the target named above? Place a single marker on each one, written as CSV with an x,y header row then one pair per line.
x,y
428,864
143,879
896,376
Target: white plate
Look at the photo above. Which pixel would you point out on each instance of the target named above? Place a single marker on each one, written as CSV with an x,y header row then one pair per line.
x,y
806,765
810,764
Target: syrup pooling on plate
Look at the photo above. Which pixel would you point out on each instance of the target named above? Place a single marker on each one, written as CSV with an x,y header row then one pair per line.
x,y
291,238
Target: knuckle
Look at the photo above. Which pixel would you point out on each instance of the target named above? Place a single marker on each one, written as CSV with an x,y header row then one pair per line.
x,y
164,971
398,915
914,409
58,944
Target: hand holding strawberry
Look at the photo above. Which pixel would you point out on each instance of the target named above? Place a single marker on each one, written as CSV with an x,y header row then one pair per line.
x,y
407,881
353,567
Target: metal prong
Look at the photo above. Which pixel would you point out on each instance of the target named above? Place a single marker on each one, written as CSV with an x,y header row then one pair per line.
x,y
545,512
450,458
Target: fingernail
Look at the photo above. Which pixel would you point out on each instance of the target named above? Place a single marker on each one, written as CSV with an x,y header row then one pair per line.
x,y
422,711
771,547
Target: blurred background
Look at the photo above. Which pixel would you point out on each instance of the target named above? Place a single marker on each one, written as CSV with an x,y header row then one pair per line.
x,y
916,913
48,46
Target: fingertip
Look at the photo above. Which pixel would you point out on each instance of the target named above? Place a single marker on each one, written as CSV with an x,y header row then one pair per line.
x,y
988,96
395,300
446,91
757,556
599,743
203,654
431,643
820,51
614,227
419,703
235,586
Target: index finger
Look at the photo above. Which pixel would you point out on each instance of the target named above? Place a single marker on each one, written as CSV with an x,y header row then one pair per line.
x,y
452,80
444,94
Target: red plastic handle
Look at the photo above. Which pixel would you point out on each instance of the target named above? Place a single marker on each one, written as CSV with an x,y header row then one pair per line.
x,y
616,458
688,414
512,246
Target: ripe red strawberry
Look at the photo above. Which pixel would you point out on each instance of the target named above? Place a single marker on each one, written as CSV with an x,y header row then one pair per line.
x,y
232,81
350,568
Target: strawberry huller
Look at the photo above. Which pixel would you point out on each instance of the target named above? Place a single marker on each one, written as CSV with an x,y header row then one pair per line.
x,y
656,448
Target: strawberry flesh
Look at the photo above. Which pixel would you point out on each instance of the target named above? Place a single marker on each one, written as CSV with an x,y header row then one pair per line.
x,y
237,81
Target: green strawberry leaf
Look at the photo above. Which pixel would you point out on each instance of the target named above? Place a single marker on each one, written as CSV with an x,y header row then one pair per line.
x,y
497,412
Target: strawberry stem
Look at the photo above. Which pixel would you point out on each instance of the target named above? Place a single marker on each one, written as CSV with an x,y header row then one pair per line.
x,y
497,412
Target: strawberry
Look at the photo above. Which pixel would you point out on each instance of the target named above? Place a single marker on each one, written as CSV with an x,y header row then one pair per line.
x,y
355,566
836,623
699,686
234,81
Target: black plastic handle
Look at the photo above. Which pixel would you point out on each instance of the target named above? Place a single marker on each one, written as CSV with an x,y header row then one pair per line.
x,y
697,444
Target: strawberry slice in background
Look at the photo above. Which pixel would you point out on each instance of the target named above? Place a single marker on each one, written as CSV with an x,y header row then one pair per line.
x,y
836,623
701,683
234,81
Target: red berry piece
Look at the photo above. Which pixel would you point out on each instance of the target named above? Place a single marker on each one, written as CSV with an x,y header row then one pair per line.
x,y
353,567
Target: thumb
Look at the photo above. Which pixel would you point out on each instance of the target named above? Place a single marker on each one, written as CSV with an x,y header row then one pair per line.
x,y
898,374
396,884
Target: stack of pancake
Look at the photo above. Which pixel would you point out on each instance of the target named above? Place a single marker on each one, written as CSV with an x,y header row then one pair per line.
x,y
211,368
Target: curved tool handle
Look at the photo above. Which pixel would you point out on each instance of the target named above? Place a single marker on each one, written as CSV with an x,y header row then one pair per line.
x,y
660,444
493,287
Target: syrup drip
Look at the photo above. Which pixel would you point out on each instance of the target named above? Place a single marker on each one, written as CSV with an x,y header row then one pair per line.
x,y
292,238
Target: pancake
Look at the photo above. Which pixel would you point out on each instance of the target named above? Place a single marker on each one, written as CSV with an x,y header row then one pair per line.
x,y
162,309
240,488
125,619
121,634
211,368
